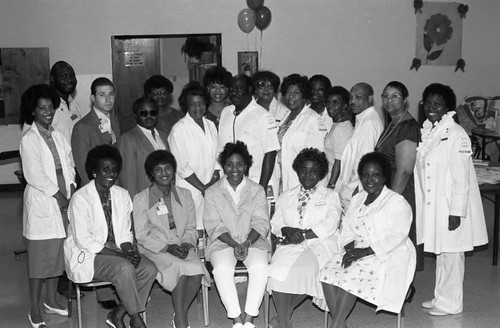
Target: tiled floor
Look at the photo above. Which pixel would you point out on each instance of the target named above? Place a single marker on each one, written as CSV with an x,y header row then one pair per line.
x,y
482,293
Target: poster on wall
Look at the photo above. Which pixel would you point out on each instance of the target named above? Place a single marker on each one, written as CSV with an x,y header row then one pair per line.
x,y
439,34
248,62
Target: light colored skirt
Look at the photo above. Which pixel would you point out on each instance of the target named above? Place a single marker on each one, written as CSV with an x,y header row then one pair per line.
x,y
45,258
301,279
171,268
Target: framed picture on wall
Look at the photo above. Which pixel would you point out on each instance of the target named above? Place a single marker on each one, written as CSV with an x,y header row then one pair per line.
x,y
248,62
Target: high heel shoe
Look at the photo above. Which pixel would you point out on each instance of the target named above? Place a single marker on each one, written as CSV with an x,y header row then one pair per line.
x,y
172,323
36,325
50,310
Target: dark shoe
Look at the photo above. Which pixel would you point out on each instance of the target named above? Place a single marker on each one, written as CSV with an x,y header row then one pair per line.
x,y
108,305
410,294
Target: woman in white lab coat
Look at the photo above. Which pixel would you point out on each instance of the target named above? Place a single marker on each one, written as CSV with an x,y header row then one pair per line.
x,y
302,128
449,211
49,172
193,141
306,222
100,243
377,261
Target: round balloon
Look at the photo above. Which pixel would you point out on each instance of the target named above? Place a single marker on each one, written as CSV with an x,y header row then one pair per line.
x,y
263,18
246,20
255,4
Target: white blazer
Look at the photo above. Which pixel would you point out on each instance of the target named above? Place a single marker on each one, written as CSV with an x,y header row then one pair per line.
x,y
307,130
88,229
196,152
445,184
322,216
42,217
388,221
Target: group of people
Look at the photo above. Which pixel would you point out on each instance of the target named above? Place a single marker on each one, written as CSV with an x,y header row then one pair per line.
x,y
356,188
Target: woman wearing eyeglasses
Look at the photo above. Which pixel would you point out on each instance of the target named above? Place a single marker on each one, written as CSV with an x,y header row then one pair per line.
x,y
193,141
265,85
138,143
399,143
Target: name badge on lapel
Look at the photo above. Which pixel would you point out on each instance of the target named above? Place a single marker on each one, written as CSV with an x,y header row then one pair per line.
x,y
161,208
320,203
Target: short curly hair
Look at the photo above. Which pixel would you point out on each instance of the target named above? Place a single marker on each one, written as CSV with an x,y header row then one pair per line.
x,y
217,74
313,155
30,98
379,159
100,153
321,78
302,82
239,147
158,157
266,76
338,90
157,82
193,88
444,91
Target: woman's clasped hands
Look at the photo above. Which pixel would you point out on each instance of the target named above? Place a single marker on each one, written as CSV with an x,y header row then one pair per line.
x,y
241,250
353,254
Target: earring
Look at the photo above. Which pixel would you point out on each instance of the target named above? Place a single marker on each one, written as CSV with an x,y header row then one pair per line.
x,y
94,175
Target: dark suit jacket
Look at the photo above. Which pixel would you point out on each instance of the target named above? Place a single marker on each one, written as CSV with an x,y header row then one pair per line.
x,y
86,135
134,147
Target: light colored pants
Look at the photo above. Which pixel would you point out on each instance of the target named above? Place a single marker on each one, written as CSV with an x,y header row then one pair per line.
x,y
450,271
131,284
256,262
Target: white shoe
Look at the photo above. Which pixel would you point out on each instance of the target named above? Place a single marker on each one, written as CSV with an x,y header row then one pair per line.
x,y
50,310
429,304
36,325
238,325
248,325
438,312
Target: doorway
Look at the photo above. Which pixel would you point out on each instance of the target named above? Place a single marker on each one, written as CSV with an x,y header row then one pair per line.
x,y
179,57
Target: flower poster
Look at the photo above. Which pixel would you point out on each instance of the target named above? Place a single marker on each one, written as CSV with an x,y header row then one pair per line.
x,y
439,33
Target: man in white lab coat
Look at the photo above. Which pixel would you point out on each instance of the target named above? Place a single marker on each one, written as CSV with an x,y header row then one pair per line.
x,y
368,128
247,121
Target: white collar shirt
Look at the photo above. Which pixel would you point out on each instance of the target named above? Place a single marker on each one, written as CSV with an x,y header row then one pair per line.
x,y
65,118
235,194
156,141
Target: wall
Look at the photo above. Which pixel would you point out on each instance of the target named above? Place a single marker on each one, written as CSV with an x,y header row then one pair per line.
x,y
347,40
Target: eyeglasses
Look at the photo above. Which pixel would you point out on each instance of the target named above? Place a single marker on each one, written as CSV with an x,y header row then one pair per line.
x,y
155,93
334,102
264,85
394,97
152,113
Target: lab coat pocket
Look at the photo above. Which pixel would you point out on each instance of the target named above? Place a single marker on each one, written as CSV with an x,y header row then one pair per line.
x,y
38,204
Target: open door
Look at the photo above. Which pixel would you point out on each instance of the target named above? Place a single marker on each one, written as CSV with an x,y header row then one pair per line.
x,y
137,57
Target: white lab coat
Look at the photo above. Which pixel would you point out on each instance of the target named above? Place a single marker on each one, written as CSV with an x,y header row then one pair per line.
x,y
368,129
42,217
307,130
388,221
278,110
196,152
255,127
88,229
322,216
445,184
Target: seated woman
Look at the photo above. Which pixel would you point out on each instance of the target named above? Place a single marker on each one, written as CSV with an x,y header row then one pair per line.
x,y
237,223
165,226
378,263
100,241
306,219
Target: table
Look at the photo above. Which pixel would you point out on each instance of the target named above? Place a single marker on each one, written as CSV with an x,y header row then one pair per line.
x,y
485,134
493,189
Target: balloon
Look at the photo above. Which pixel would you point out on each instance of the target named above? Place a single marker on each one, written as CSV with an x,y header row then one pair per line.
x,y
246,20
255,4
263,19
